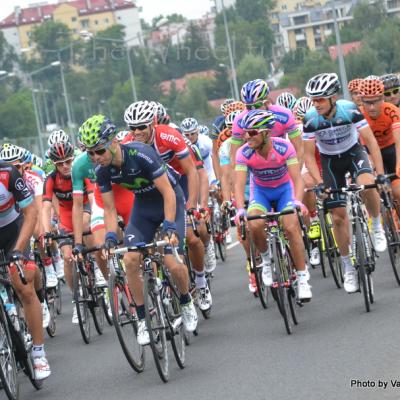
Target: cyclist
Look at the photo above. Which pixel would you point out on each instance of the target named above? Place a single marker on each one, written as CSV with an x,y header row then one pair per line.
x,y
18,217
384,120
158,200
59,185
204,130
354,91
255,96
287,100
392,88
334,126
171,146
276,185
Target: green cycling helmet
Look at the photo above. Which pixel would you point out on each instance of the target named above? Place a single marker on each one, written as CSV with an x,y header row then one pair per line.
x,y
96,130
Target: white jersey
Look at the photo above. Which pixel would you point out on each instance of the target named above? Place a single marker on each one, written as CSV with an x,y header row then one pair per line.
x,y
205,145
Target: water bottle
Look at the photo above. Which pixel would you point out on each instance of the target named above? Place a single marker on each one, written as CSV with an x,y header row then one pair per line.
x,y
12,312
3,294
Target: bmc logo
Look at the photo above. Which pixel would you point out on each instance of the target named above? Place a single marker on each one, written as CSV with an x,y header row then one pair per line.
x,y
169,137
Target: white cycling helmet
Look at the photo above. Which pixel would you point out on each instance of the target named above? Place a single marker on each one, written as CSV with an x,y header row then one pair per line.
x,y
323,85
12,153
189,125
58,136
140,113
204,130
303,104
287,100
121,135
231,117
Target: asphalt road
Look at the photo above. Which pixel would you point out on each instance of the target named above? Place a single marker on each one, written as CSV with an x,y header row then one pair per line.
x,y
243,351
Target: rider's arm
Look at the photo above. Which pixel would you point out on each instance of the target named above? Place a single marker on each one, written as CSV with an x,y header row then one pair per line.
x,y
215,160
30,218
374,150
240,185
310,161
77,221
204,187
226,182
164,187
48,194
298,144
190,171
110,212
295,176
396,135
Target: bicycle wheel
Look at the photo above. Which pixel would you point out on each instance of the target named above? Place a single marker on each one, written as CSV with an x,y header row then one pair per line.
x,y
81,300
361,260
278,273
222,246
331,250
322,256
105,305
177,331
291,292
125,321
96,309
50,298
8,365
156,325
58,299
263,292
393,238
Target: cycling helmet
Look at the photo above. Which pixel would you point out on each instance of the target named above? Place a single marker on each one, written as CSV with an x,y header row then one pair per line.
x,y
39,162
189,125
323,85
61,151
162,115
231,117
372,77
353,85
254,91
12,153
57,137
258,119
225,104
140,113
303,104
371,87
235,106
96,130
390,81
121,135
287,100
27,158
203,130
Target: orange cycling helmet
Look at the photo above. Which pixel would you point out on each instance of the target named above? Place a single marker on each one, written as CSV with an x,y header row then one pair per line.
x,y
371,88
354,85
235,106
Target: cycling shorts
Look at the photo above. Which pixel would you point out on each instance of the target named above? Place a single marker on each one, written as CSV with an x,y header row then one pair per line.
x,y
65,216
265,198
148,215
334,169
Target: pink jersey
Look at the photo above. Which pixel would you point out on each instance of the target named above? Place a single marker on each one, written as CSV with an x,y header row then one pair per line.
x,y
271,171
285,125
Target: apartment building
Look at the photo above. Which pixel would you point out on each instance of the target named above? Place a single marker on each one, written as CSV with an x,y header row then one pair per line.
x,y
79,15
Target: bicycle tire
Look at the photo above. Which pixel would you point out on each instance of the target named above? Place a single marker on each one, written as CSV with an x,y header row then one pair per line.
x,y
97,311
8,364
393,239
263,291
222,247
58,299
52,327
322,256
331,250
106,307
81,303
361,259
155,322
125,321
281,291
291,292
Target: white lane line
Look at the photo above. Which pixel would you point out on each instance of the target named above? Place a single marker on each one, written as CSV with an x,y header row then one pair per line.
x,y
232,245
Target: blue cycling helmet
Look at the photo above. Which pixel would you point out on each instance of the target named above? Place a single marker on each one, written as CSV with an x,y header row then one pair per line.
x,y
254,91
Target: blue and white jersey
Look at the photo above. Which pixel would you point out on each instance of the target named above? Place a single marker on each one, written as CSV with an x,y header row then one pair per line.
x,y
205,145
337,135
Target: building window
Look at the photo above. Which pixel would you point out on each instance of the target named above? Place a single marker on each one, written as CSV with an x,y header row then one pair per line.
x,y
85,23
284,7
106,20
301,43
318,42
299,31
73,19
96,22
302,19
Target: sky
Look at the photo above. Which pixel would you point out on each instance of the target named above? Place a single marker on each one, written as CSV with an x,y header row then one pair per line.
x,y
151,8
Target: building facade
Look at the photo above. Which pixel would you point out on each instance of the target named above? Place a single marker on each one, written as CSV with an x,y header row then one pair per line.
x,y
79,15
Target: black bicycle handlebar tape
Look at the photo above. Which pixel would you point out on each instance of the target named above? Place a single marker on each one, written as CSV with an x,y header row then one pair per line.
x,y
352,188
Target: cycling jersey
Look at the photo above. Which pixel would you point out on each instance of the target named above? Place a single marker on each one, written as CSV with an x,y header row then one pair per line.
x,y
82,169
217,127
285,124
337,135
38,171
34,182
271,171
224,135
13,192
140,167
204,145
383,126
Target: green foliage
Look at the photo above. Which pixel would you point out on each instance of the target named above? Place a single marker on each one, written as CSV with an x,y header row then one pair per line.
x,y
293,59
251,67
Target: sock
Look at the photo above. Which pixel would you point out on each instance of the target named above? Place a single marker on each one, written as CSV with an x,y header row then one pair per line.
x,y
347,263
376,223
265,256
40,295
301,275
38,350
200,280
140,312
185,298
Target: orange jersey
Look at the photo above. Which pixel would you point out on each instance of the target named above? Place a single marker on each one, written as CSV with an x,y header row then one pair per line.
x,y
385,124
225,134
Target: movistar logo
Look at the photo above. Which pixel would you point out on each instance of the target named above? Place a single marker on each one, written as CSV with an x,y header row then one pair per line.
x,y
138,183
132,152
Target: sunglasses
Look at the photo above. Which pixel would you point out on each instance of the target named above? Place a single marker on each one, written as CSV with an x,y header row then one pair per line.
x,y
255,132
68,161
139,128
254,106
99,152
319,100
389,93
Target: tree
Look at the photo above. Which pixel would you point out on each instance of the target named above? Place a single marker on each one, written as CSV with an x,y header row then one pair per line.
x,y
293,58
251,67
363,63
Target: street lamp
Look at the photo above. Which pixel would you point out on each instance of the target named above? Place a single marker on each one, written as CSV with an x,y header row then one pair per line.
x,y
88,35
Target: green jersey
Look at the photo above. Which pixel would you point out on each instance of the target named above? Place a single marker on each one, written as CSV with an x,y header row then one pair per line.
x,y
82,168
